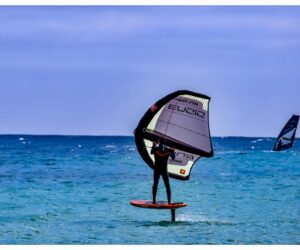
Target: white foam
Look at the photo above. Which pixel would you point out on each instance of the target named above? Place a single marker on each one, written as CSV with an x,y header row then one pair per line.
x,y
258,140
225,174
202,219
229,152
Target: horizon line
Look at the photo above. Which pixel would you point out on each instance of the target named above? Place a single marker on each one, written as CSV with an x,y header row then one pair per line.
x,y
107,135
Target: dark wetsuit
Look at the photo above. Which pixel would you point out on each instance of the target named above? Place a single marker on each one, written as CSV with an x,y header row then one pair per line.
x,y
160,169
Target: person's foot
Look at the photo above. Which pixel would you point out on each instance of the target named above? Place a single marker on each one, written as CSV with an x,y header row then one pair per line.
x,y
153,202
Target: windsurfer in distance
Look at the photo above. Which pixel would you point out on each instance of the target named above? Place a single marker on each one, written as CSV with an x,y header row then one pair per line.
x,y
161,155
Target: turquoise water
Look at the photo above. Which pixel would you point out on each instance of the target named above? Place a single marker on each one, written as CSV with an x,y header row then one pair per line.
x,y
76,190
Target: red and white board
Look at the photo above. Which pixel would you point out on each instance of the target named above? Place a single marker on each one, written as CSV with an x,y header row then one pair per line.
x,y
157,205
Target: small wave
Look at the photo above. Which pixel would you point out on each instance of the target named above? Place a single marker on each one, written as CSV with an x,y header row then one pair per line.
x,y
21,139
101,199
110,146
129,147
258,140
229,152
232,152
159,223
30,227
203,219
225,174
186,220
50,163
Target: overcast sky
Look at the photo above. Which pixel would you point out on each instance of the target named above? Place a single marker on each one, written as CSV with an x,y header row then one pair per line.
x,y
96,70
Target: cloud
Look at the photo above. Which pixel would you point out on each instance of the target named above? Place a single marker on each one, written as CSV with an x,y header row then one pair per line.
x,y
105,38
100,23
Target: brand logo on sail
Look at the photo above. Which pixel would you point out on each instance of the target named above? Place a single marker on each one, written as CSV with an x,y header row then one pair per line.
x,y
187,110
153,108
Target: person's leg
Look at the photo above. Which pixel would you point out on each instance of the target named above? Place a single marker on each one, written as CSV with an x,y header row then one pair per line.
x,y
155,184
167,185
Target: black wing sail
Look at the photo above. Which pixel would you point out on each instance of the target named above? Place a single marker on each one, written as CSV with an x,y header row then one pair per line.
x,y
287,135
182,119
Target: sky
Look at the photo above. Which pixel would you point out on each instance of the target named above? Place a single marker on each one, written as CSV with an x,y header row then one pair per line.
x,y
95,70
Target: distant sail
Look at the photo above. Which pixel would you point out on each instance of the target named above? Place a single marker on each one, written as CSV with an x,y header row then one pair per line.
x,y
182,118
287,135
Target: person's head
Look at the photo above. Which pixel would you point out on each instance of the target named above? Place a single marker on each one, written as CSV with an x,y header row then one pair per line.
x,y
162,142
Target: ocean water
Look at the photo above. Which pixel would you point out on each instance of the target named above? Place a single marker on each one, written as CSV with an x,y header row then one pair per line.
x,y
76,190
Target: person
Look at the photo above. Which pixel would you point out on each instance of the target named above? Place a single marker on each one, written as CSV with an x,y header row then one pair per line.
x,y
161,156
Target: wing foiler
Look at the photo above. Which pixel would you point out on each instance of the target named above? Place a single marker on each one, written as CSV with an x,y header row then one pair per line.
x,y
287,135
182,118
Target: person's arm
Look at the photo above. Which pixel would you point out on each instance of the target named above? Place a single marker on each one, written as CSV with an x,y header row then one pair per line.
x,y
154,148
172,154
